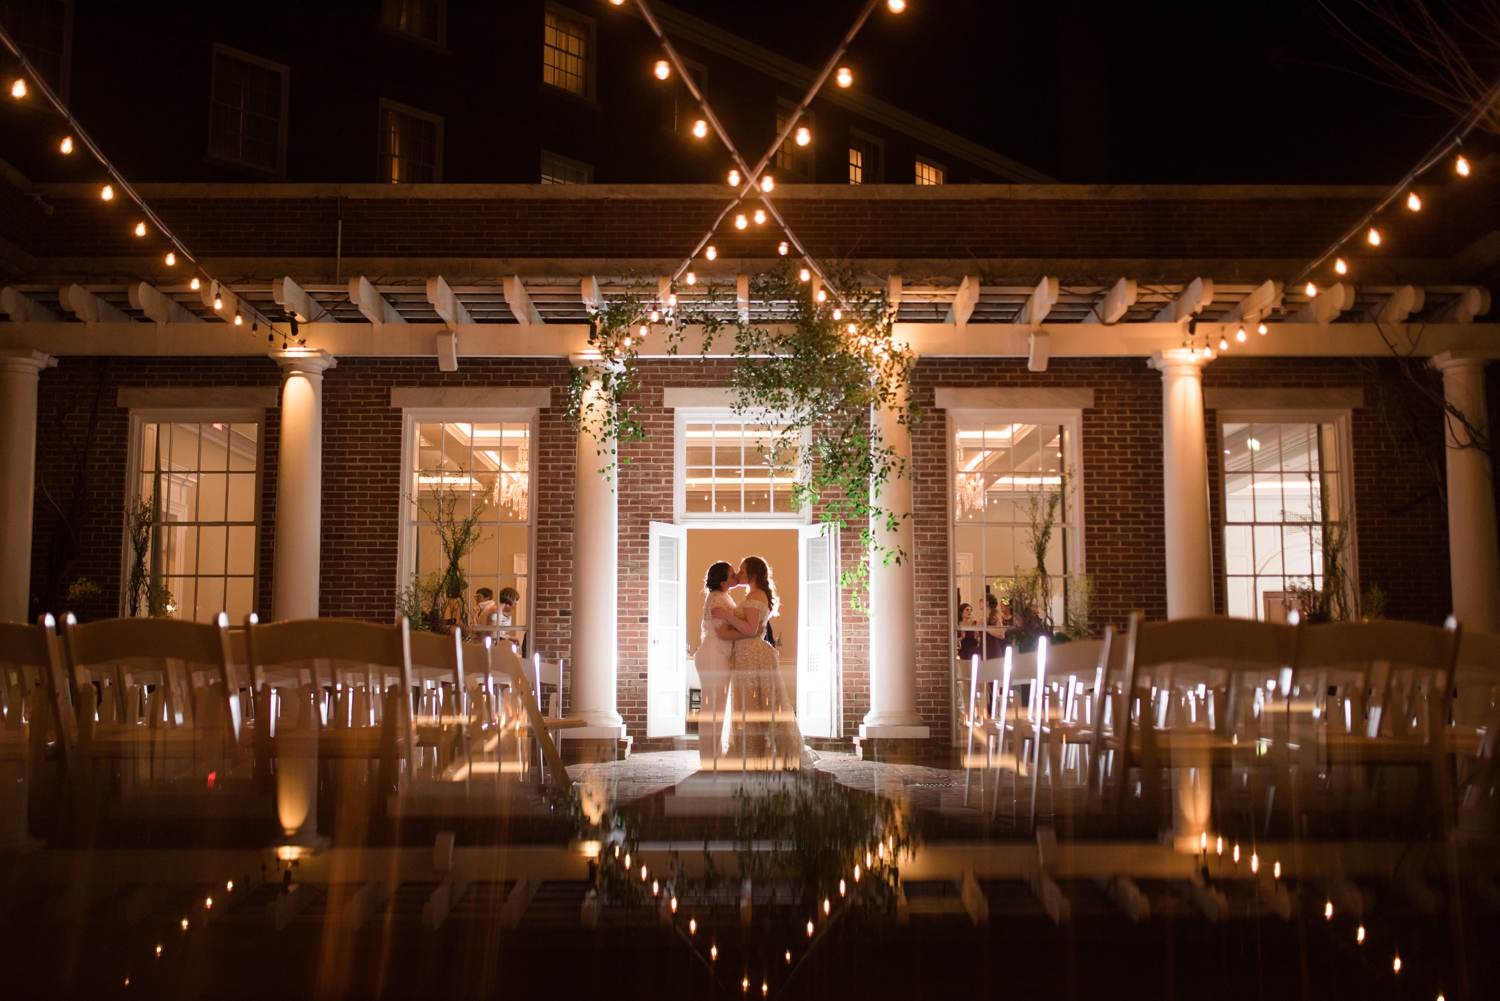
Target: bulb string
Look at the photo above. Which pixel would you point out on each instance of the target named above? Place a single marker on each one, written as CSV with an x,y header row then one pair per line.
x,y
80,134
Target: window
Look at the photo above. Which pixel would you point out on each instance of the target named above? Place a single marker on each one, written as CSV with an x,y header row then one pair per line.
x,y
866,159
929,172
561,170
1285,511
44,30
730,468
1007,468
197,491
791,157
247,123
423,19
678,109
567,51
411,145
469,469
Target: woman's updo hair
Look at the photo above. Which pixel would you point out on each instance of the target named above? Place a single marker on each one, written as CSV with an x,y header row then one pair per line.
x,y
717,575
760,576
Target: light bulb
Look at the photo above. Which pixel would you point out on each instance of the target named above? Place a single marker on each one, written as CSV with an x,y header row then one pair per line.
x,y
208,903
1219,846
1260,328
700,128
1236,854
674,905
1223,344
692,279
655,887
1254,862
803,135
672,300
896,6
1203,841
760,217
1461,165
158,950
655,315
711,253
171,259
229,886
789,955
66,145
844,77
617,2
239,321
218,302
1341,266
1359,934
1373,236
140,229
856,868
734,178
822,296
663,69
184,924
1396,965
107,192
713,952
740,222
692,926
1311,290
745,984
782,248
643,874
645,332
765,989
827,905
856,865
1328,910
842,886
1276,870
1413,202
18,89
194,284
804,275
838,314
767,183
809,929
1240,335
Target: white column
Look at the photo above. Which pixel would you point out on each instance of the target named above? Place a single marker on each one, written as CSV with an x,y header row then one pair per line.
x,y
1185,484
299,485
19,372
596,582
893,600
1473,549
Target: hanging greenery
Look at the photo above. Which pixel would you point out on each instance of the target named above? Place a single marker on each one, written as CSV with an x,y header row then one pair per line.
x,y
430,602
140,589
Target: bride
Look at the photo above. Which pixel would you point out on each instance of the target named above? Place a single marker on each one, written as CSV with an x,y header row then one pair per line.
x,y
715,648
757,694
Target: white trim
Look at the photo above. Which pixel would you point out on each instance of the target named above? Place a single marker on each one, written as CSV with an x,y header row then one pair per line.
x,y
382,160
1004,398
716,398
215,398
440,398
680,516
1264,398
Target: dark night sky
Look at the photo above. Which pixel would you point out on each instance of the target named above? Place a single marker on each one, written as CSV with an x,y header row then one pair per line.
x,y
1226,91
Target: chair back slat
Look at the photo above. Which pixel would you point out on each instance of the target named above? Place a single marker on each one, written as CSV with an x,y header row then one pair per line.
x,y
112,640
1211,640
1409,644
24,645
437,652
272,643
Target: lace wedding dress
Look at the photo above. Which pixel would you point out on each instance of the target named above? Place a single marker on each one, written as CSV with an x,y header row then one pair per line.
x,y
756,696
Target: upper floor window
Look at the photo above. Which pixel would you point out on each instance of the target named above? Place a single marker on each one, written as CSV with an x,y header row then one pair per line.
x,y
193,531
422,19
790,156
247,124
558,169
44,31
929,172
411,145
1286,513
678,109
568,51
866,159
730,468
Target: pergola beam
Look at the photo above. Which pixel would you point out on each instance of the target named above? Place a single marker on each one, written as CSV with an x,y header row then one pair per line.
x,y
442,299
1198,294
371,303
1115,303
159,306
88,307
1257,304
290,296
964,301
24,309
520,303
1043,298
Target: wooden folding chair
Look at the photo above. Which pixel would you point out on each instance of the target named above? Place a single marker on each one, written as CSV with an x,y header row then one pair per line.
x,y
1476,731
501,661
442,720
33,677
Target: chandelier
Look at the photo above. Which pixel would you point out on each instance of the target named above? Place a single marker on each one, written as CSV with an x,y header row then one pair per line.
x,y
513,486
970,492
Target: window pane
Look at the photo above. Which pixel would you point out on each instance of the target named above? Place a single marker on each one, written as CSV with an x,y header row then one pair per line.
x,y
565,52
245,119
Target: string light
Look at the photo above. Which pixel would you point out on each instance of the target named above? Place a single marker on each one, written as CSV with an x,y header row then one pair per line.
x,y
896,6
856,868
765,988
655,888
760,217
856,865
782,248
66,145
1373,236
841,887
107,192
692,279
1236,853
195,285
740,222
158,951
1311,290
789,955
1240,335
171,259
208,903
140,229
700,128
745,984
767,183
1276,870
672,300
1261,329
1461,166
822,296
228,886
838,314
1328,911
1413,202
218,302
809,929
1254,862
1223,344
1359,934
843,77
184,924
804,136
692,926
663,69
1396,964
18,89
1219,846
1341,266
804,274
643,874
711,253
239,321
674,904
713,952
827,906
734,178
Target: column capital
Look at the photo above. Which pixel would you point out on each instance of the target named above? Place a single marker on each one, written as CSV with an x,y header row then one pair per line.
x,y
1180,358
307,361
1470,358
25,360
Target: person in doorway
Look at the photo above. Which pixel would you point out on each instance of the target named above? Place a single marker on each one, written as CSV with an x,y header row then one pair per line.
x,y
994,633
486,611
755,684
968,632
715,647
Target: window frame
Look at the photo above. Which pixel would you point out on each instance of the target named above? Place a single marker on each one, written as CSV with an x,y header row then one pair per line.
x,y
878,144
1342,419
810,151
678,89
410,418
590,61
682,417
563,161
382,159
219,48
927,161
141,416
389,13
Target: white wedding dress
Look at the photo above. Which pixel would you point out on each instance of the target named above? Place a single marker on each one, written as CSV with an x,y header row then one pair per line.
x,y
757,696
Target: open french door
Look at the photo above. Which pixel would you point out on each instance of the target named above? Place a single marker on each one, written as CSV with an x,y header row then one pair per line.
x,y
819,685
666,656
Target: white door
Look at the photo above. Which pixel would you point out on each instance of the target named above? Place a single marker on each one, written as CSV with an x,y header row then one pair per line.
x,y
666,659
819,691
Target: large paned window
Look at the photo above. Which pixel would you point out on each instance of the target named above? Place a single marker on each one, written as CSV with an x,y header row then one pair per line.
x,y
567,51
730,468
559,169
1286,514
411,145
476,472
193,532
426,20
930,172
866,159
247,124
1007,469
790,156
